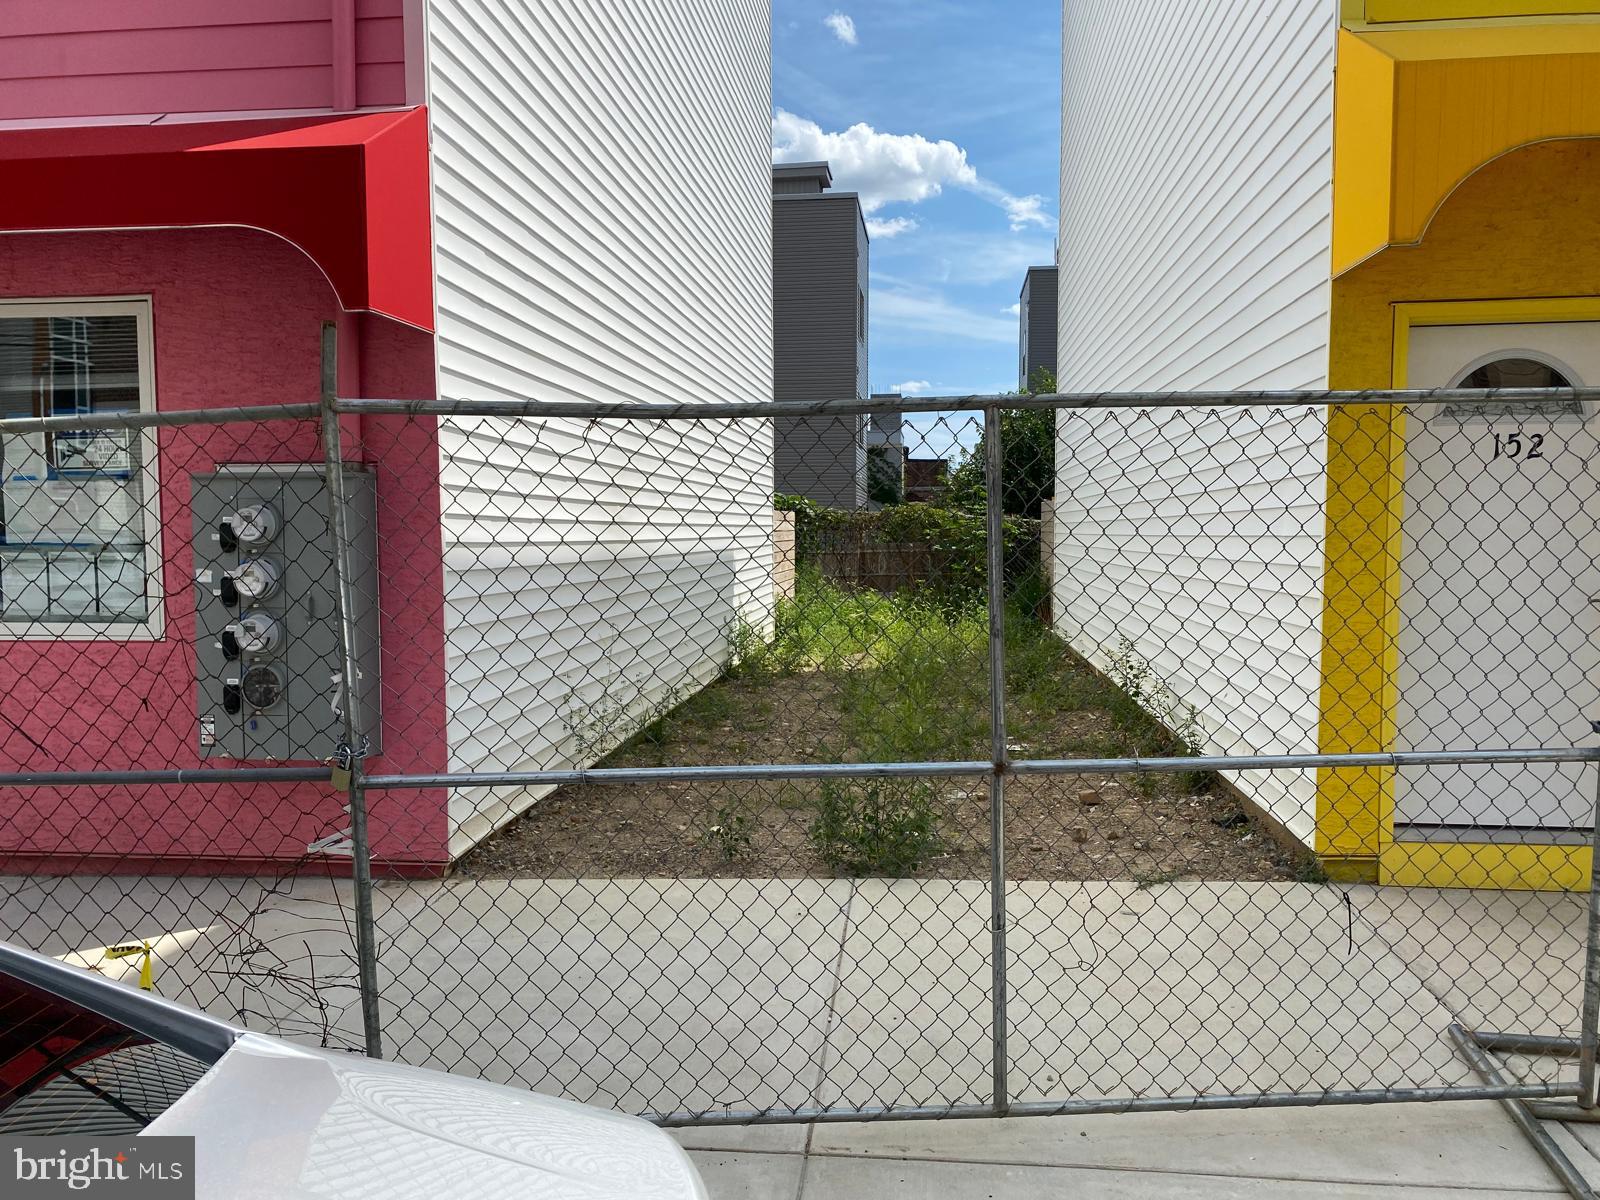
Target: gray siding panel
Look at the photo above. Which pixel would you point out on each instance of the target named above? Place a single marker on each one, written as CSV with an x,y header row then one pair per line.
x,y
864,311
821,458
1039,312
819,271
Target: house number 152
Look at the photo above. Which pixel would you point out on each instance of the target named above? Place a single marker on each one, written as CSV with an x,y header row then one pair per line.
x,y
1518,445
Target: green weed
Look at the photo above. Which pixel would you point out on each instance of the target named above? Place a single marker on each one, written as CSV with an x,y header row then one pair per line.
x,y
876,826
729,830
1308,869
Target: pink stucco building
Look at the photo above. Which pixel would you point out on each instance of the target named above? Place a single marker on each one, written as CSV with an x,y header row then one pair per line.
x,y
193,190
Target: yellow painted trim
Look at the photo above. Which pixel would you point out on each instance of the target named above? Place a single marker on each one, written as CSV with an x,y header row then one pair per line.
x,y
1413,125
1485,312
1379,11
1426,41
1363,151
1455,117
1416,238
1360,624
1486,865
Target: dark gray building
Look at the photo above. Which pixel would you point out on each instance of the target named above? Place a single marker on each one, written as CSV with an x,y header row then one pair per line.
x,y
819,333
1036,337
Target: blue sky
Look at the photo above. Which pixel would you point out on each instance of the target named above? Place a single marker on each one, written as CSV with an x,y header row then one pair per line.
x,y
943,114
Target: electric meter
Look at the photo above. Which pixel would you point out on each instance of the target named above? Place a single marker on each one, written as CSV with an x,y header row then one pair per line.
x,y
262,686
269,628
253,525
258,633
255,578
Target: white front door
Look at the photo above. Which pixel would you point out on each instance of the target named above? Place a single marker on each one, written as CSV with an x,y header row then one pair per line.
x,y
1499,640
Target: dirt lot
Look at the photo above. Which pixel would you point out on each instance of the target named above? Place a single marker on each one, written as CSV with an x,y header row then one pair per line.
x,y
1147,829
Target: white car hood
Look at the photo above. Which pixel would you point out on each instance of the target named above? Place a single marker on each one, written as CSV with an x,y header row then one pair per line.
x,y
279,1121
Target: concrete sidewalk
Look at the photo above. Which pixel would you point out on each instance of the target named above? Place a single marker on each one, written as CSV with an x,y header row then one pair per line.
x,y
1407,1152
672,995
667,995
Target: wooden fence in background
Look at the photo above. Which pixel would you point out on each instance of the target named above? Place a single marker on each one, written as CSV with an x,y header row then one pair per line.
x,y
855,559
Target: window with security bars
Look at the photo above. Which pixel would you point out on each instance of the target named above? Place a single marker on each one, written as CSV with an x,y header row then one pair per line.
x,y
76,542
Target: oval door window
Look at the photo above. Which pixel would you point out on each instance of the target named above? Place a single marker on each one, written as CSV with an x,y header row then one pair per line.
x,y
1514,371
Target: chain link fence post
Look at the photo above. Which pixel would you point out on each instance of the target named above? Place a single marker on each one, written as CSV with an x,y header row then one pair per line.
x,y
352,749
995,535
1589,1032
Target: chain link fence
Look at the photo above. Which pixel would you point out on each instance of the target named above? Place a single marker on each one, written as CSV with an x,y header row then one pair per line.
x,y
1169,752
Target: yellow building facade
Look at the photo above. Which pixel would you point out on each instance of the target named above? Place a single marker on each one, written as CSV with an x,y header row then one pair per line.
x,y
1465,238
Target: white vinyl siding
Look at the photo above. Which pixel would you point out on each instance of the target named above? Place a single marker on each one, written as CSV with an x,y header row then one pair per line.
x,y
1195,249
1195,541
1196,193
602,201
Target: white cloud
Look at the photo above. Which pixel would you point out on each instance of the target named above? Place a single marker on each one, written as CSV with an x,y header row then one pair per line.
x,y
1022,211
968,256
843,27
883,228
912,387
886,168
1014,308
928,312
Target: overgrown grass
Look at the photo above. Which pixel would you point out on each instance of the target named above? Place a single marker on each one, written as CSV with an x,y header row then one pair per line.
x,y
676,714
829,628
855,675
876,826
911,675
1045,679
907,677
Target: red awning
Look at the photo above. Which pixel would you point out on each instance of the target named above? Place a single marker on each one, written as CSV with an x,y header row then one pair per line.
x,y
350,191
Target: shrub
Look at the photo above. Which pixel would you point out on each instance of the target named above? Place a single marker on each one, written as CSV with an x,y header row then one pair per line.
x,y
1027,466
885,477
1138,681
876,826
1027,457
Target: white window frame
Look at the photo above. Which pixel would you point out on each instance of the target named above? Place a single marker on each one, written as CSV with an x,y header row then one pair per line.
x,y
153,627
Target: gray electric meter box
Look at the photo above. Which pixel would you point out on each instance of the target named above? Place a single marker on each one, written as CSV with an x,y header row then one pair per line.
x,y
268,668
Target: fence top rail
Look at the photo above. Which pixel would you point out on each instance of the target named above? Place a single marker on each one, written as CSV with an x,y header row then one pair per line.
x,y
132,419
635,410
643,411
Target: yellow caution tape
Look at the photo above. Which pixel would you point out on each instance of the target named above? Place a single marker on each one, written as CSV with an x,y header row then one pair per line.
x,y
146,969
